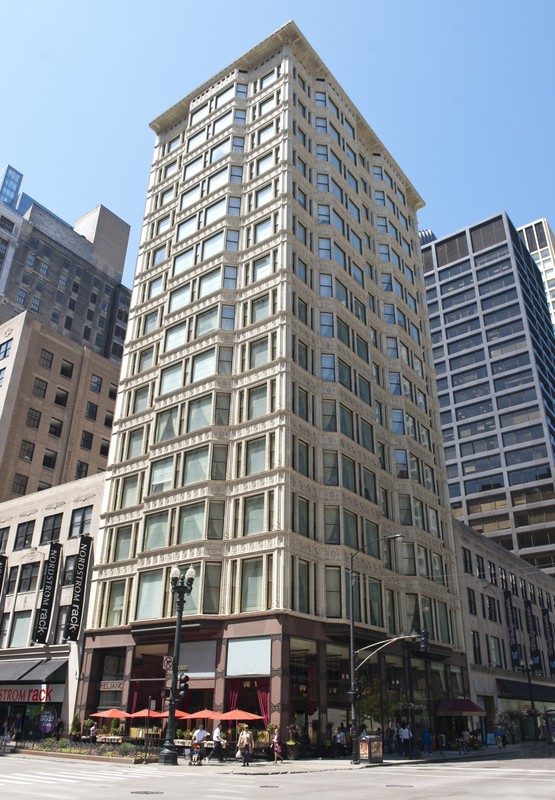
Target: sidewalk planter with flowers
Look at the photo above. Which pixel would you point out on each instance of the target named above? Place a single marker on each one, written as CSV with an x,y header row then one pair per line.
x,y
293,749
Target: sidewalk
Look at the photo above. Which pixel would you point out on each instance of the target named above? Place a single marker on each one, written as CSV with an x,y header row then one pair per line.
x,y
303,765
520,750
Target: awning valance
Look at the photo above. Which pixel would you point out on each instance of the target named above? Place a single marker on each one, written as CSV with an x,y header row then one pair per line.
x,y
459,707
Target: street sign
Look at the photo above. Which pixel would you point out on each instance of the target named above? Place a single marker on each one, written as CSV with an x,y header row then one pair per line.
x,y
167,663
183,668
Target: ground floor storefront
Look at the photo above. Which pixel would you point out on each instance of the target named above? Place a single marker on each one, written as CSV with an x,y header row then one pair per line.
x,y
32,697
516,704
291,672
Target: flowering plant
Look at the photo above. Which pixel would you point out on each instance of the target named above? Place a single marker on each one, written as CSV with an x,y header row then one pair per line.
x,y
416,708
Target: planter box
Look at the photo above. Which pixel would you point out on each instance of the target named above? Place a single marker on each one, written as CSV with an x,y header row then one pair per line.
x,y
293,751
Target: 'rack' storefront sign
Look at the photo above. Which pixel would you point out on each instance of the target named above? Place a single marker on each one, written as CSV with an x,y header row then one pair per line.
x,y
73,622
45,693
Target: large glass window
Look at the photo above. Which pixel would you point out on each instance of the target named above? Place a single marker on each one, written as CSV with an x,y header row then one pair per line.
x,y
114,615
149,597
161,475
166,425
20,629
51,528
81,521
252,588
191,522
123,537
200,413
196,466
256,455
253,519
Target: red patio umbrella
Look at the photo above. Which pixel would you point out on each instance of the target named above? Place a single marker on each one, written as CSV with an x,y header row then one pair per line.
x,y
206,713
111,713
178,714
238,714
144,713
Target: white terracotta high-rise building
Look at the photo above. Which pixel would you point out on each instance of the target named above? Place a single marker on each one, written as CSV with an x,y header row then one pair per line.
x,y
276,413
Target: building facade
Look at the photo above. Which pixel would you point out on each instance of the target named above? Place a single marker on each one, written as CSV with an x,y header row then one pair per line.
x,y
508,609
57,401
494,355
68,278
540,241
46,548
276,414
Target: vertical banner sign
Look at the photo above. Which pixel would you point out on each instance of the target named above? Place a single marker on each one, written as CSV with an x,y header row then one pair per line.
x,y
3,562
509,612
532,638
548,634
44,614
73,622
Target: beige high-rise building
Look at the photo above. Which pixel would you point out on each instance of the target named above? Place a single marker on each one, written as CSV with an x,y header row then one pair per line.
x,y
276,422
57,402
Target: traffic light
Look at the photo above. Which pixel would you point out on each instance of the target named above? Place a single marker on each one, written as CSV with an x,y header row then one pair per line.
x,y
182,685
423,641
358,690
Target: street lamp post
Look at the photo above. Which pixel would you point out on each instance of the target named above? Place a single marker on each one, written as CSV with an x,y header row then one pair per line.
x,y
182,584
527,668
354,694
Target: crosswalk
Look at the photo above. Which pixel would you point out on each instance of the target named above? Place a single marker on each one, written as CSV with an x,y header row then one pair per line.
x,y
63,776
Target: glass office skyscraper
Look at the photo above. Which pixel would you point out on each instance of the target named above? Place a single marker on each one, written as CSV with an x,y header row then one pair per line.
x,y
494,353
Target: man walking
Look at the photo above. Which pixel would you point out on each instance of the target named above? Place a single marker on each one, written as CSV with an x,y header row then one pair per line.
x,y
217,750
406,736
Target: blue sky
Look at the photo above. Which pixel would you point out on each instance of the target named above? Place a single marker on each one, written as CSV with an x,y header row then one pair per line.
x,y
460,93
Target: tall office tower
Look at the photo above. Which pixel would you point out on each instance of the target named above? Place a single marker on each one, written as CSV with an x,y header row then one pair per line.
x,y
540,241
10,183
275,414
67,278
57,402
494,354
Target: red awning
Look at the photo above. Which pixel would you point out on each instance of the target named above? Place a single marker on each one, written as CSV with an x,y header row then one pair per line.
x,y
460,707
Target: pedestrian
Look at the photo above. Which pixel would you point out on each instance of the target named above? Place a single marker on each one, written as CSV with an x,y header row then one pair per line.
x,y
58,729
245,744
6,736
217,750
199,737
427,742
16,728
389,739
498,737
340,743
406,736
93,732
466,740
276,747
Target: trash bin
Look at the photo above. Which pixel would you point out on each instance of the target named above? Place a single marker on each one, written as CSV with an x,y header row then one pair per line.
x,y
370,749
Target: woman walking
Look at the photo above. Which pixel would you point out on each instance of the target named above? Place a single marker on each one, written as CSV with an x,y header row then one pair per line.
x,y
245,745
276,747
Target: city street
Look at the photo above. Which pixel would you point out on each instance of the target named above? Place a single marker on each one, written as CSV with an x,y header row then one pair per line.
x,y
27,777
